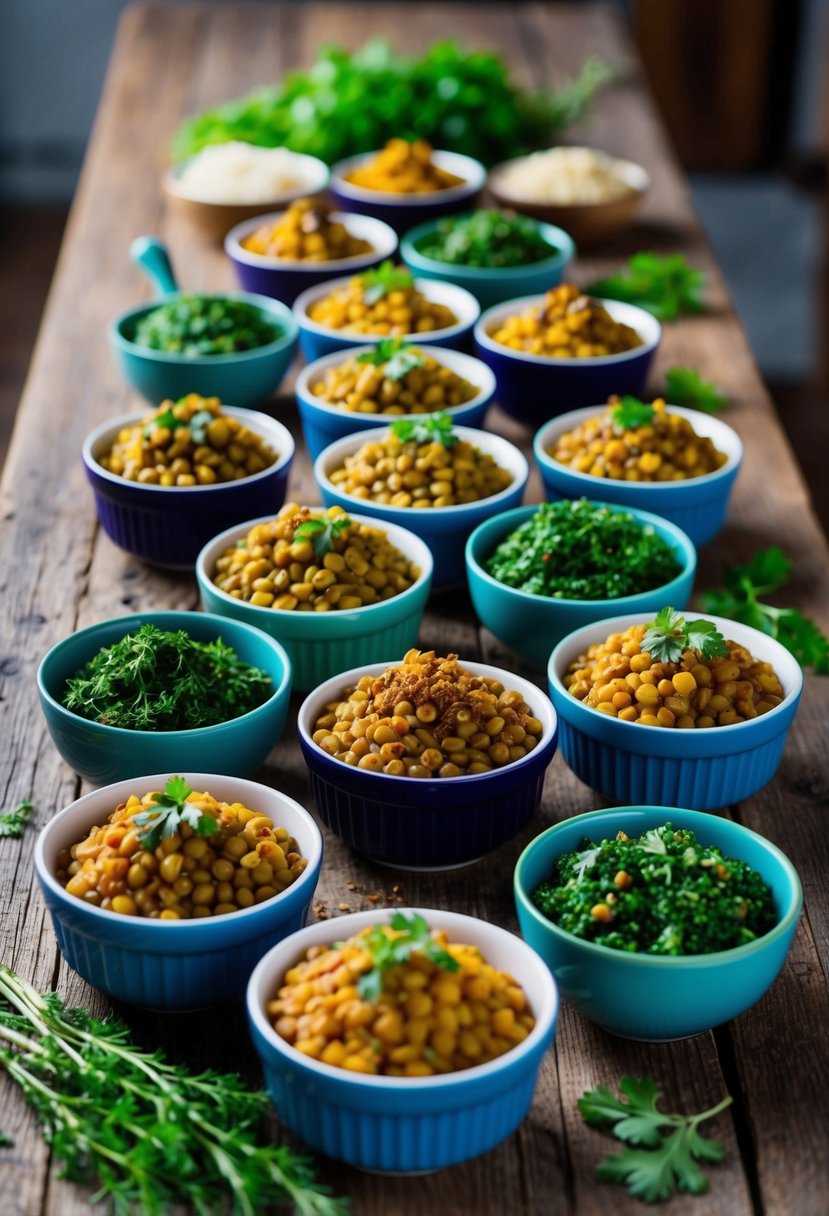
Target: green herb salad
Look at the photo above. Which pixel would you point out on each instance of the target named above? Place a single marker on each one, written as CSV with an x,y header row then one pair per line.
x,y
193,325
488,240
659,893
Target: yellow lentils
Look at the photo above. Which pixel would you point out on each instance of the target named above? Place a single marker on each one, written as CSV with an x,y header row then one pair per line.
x,y
366,388
306,233
567,325
403,168
401,310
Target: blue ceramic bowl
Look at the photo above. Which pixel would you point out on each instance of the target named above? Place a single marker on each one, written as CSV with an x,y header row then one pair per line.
x,y
318,340
492,285
319,644
420,823
699,505
164,964
323,423
403,211
444,529
168,525
658,997
534,388
283,279
703,769
102,754
404,1124
533,624
243,378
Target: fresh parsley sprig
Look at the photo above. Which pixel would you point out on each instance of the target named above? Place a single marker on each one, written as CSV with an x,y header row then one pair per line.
x,y
165,419
669,635
170,810
398,356
665,286
666,1147
740,600
322,533
427,428
13,822
384,278
631,413
685,386
411,935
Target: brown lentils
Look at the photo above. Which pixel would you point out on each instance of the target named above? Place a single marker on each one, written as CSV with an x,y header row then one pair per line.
x,y
428,717
270,568
411,474
666,449
247,861
168,448
618,678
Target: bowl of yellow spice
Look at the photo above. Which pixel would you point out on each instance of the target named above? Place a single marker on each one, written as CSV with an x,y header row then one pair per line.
x,y
168,480
564,349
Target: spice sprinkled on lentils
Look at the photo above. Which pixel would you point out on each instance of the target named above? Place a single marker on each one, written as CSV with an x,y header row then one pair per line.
x,y
660,893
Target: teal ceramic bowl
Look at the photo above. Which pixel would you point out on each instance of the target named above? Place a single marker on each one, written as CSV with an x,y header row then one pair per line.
x,y
103,754
319,644
492,285
533,624
404,1124
169,964
704,769
657,997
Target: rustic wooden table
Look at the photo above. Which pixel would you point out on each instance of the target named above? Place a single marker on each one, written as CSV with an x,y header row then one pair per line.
x,y
59,573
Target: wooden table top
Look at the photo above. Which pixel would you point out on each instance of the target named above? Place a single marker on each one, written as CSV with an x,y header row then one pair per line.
x,y
58,573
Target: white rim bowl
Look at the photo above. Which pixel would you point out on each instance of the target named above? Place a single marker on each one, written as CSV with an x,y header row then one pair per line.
x,y
380,236
462,303
316,176
471,170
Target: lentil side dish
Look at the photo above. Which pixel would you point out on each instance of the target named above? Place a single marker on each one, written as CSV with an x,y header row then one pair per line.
x,y
427,717
659,893
567,325
368,305
403,168
306,233
406,380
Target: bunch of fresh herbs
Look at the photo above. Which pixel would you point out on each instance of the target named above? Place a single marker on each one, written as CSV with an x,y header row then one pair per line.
x,y
194,325
665,286
685,386
580,551
13,822
157,680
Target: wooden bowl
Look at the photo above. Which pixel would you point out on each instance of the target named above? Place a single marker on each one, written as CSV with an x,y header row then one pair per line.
x,y
587,223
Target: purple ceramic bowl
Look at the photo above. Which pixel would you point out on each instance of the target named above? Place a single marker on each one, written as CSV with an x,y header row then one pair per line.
x,y
418,823
168,525
403,211
284,279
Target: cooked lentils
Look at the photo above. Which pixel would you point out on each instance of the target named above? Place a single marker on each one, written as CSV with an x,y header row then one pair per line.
x,y
187,443
665,449
270,568
567,325
618,678
364,388
428,717
306,233
247,861
404,310
411,474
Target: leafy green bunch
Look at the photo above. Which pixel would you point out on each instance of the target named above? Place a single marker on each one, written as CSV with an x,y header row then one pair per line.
x,y
665,286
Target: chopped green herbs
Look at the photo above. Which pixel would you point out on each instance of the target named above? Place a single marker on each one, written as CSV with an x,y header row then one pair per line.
x,y
666,1147
659,893
152,1136
685,386
632,413
411,934
580,551
154,680
669,635
204,325
487,239
463,101
739,600
399,358
427,428
167,420
170,810
322,533
665,286
384,278
13,822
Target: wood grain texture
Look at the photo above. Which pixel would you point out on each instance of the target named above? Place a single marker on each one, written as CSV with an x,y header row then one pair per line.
x,y
58,573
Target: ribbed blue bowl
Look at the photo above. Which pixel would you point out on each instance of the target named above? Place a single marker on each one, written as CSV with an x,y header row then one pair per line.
x,y
102,754
404,1124
703,769
173,965
322,423
699,505
658,997
534,388
319,644
533,624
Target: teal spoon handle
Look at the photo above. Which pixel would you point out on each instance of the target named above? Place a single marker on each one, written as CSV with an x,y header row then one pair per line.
x,y
151,255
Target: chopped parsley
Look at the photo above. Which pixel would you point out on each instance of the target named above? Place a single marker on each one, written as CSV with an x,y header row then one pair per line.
x,y
193,325
488,239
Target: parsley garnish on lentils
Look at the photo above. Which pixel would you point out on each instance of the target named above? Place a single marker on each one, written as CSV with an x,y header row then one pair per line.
x,y
580,551
153,680
660,893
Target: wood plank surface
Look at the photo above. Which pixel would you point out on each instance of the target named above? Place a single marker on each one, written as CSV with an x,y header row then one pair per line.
x,y
59,573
